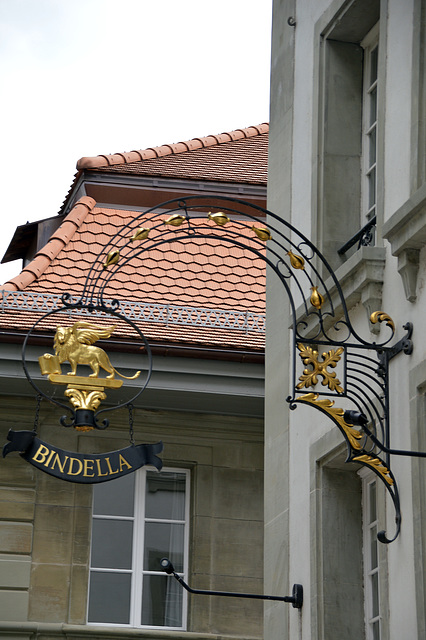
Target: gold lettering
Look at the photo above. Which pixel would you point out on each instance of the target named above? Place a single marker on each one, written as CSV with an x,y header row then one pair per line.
x,y
99,468
61,466
111,472
123,461
87,468
41,453
80,468
46,464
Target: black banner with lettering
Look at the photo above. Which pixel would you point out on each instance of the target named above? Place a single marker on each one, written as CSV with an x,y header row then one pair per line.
x,y
82,467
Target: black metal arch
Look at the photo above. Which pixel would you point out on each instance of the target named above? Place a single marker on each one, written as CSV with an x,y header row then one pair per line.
x,y
320,318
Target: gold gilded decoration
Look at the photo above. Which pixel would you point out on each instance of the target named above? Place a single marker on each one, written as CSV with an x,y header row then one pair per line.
x,y
309,378
85,399
317,300
377,465
353,435
140,234
112,258
175,220
381,316
75,345
297,262
219,218
49,364
262,233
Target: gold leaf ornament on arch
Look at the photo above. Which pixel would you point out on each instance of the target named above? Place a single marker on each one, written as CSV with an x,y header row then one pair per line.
x,y
310,357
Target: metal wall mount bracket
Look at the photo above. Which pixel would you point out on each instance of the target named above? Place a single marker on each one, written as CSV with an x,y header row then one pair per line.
x,y
296,599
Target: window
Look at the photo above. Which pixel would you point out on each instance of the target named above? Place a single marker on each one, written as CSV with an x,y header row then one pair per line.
x,y
348,116
371,559
370,92
137,520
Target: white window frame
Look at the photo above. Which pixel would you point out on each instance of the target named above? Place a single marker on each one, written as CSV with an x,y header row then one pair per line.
x,y
370,88
370,528
137,571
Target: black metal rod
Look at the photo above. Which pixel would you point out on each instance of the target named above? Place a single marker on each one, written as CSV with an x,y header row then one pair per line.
x,y
357,237
296,599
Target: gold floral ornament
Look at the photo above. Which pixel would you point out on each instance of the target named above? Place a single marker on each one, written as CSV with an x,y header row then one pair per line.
x,y
352,434
219,218
175,220
381,316
376,465
317,300
262,233
297,262
309,378
112,258
140,234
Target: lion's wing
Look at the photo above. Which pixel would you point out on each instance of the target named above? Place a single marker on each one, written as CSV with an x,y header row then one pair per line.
x,y
89,334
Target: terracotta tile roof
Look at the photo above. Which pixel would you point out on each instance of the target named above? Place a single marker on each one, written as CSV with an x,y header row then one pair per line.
x,y
195,272
236,156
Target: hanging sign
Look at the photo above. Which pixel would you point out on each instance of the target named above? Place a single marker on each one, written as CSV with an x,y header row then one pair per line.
x,y
81,467
75,344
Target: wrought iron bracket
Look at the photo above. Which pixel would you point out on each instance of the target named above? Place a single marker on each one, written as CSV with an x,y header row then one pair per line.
x,y
296,599
405,345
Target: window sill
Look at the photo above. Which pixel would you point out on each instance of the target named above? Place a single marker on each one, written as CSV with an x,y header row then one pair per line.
x,y
34,630
406,232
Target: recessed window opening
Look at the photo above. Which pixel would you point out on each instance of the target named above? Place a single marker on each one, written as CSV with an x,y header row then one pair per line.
x,y
370,45
371,559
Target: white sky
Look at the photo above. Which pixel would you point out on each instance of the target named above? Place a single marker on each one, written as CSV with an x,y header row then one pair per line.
x,y
89,77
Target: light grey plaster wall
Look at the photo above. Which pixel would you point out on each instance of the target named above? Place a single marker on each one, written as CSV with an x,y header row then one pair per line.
x,y
45,533
277,580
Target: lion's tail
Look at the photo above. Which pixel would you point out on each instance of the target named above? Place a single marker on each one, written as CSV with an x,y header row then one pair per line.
x,y
137,374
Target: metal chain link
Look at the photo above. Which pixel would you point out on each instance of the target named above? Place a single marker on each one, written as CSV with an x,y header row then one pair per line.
x,y
37,414
131,432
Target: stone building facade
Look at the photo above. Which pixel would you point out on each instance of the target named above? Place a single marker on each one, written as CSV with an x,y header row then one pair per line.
x,y
347,162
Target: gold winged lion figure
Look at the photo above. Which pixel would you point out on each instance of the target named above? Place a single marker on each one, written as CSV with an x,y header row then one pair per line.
x,y
75,345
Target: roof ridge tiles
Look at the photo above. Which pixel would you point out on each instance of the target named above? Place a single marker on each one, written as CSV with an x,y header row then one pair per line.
x,y
95,162
51,249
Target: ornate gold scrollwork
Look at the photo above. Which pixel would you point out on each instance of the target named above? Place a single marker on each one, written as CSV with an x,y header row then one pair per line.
x,y
381,316
85,398
376,464
352,434
309,378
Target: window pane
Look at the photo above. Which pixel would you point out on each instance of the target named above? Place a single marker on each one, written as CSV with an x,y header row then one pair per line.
x,y
115,498
372,147
373,68
372,188
376,630
375,594
163,539
161,601
373,107
372,501
112,544
165,495
109,598
373,548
